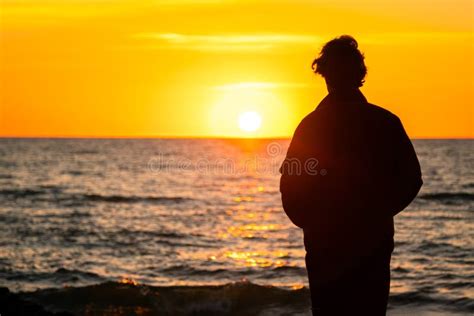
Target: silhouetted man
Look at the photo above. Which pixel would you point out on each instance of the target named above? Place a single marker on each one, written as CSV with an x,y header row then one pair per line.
x,y
349,170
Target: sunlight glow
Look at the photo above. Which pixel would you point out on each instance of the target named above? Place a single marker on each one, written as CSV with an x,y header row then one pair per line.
x,y
250,109
250,121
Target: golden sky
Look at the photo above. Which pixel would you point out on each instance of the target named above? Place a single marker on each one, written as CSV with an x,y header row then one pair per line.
x,y
192,67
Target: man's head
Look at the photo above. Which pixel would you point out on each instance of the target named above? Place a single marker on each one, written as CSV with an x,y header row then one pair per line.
x,y
341,64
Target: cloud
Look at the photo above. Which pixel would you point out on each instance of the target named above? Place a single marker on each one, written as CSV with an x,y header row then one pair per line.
x,y
259,86
226,42
391,38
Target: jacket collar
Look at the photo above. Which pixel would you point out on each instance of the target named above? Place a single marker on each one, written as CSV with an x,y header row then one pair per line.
x,y
343,97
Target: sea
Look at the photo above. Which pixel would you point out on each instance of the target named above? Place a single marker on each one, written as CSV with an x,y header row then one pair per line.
x,y
196,227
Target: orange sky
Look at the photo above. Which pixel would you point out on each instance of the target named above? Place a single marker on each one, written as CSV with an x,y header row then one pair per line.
x,y
191,67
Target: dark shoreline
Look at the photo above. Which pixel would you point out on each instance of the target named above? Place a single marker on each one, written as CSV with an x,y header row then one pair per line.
x,y
240,298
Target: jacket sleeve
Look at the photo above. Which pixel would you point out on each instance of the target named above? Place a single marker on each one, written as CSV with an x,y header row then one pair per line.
x,y
296,184
408,180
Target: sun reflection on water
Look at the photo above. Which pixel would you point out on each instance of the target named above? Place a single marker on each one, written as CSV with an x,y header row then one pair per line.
x,y
260,259
243,199
128,281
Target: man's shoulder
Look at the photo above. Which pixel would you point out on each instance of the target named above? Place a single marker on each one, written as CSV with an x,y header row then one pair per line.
x,y
308,120
370,108
366,111
382,113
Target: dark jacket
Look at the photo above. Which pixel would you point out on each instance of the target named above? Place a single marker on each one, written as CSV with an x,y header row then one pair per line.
x,y
357,169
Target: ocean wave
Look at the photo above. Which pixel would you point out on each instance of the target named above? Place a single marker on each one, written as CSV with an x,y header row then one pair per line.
x,y
110,298
187,270
461,305
240,298
73,172
58,195
20,193
59,276
284,271
445,196
130,199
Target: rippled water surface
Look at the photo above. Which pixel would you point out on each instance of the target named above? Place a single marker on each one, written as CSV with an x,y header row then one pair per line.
x,y
207,212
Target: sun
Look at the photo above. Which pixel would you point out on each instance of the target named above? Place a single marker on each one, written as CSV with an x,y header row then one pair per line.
x,y
250,121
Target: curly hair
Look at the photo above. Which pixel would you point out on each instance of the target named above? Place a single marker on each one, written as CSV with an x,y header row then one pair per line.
x,y
341,63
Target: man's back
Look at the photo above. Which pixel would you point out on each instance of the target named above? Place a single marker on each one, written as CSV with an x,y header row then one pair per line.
x,y
349,169
363,154
363,172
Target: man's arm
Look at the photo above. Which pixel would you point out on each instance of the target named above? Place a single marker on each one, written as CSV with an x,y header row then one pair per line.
x,y
407,169
296,184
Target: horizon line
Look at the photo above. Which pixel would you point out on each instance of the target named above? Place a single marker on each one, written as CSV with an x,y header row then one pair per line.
x,y
199,137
